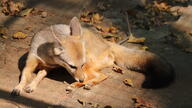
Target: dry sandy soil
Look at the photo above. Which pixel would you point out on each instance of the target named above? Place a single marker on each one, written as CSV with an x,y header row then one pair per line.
x,y
112,92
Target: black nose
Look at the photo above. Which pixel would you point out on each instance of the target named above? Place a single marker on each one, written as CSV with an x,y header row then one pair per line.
x,y
81,80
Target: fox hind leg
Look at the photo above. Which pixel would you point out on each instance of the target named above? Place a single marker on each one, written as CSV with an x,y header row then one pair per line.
x,y
31,64
32,86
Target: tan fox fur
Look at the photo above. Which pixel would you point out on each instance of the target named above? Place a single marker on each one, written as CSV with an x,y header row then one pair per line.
x,y
84,54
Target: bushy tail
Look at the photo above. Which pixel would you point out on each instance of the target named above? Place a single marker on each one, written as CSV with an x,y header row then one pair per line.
x,y
159,73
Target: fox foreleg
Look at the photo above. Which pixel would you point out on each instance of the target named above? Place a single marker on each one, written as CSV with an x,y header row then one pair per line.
x,y
32,86
31,64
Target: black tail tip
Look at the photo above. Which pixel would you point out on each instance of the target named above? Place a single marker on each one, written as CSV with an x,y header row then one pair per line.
x,y
156,84
157,81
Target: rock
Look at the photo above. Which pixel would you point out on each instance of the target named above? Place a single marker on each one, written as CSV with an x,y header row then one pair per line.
x,y
184,23
182,29
44,14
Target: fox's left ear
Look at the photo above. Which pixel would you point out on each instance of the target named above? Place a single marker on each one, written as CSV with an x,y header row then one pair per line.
x,y
75,27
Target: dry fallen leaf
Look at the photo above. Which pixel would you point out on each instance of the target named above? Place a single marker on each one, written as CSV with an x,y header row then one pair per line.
x,y
133,39
161,6
91,17
128,82
106,29
145,48
85,13
154,14
96,18
113,30
141,103
15,7
4,36
108,35
117,69
86,16
19,35
111,37
26,12
3,32
10,7
108,32
85,19
101,28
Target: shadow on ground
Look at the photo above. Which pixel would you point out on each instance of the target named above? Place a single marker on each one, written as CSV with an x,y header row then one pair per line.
x,y
25,101
57,74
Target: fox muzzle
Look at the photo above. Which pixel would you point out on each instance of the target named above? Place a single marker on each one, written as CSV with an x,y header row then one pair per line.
x,y
79,75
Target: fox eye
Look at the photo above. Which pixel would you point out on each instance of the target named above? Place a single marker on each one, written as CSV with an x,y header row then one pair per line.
x,y
82,65
73,67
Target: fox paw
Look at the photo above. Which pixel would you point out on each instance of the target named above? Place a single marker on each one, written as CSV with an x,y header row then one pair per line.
x,y
87,86
16,91
29,88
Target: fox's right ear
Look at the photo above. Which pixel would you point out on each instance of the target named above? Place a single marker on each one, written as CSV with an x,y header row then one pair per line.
x,y
58,50
75,27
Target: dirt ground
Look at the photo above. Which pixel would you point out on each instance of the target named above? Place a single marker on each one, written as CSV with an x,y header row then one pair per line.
x,y
51,92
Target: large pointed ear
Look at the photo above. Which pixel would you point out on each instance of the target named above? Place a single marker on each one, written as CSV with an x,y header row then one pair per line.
x,y
75,27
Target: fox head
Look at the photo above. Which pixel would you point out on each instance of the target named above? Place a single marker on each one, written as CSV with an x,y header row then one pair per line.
x,y
70,52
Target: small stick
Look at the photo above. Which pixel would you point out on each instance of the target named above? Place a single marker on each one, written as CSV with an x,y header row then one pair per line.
x,y
129,30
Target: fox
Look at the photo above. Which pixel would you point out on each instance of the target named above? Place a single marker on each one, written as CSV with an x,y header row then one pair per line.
x,y
84,54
